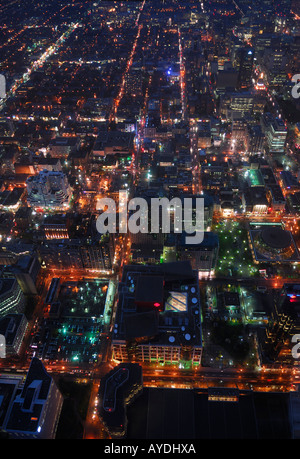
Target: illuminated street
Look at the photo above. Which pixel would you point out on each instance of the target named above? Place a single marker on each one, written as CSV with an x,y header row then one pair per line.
x,y
128,130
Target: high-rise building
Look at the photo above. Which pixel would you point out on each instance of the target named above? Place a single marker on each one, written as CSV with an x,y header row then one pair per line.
x,y
284,322
49,189
275,63
26,270
254,139
244,60
133,82
226,80
276,135
13,328
35,411
12,299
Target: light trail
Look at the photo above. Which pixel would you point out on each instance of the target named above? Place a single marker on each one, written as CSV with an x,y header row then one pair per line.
x,y
7,5
182,76
38,63
11,39
118,99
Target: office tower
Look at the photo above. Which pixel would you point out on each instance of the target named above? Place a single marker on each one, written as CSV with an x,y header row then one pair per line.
x,y
276,64
49,189
12,299
35,411
244,64
276,135
284,322
254,139
13,328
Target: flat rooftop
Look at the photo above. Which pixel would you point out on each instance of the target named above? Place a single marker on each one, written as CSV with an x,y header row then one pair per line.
x,y
180,313
196,414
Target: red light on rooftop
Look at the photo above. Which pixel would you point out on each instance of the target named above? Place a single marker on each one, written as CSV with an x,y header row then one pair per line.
x,y
157,305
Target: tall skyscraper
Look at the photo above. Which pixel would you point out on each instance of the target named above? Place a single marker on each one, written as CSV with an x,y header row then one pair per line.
x,y
12,299
35,412
49,189
244,64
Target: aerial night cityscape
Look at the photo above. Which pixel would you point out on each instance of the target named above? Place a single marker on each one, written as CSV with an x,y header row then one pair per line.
x,y
150,222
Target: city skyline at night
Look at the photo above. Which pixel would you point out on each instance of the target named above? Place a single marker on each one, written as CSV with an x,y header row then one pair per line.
x,y
149,221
